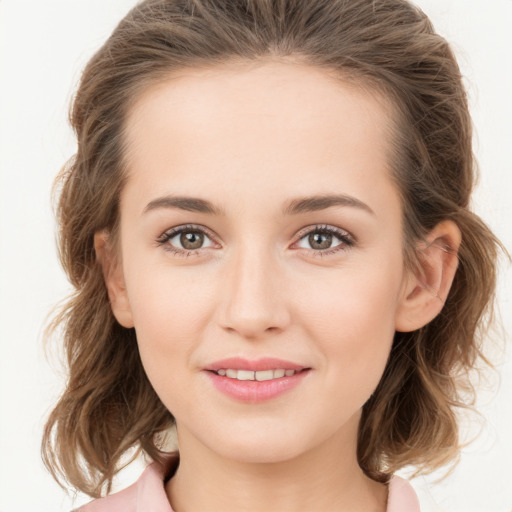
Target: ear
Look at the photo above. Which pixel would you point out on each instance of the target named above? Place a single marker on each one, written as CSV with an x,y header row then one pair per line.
x,y
114,278
426,289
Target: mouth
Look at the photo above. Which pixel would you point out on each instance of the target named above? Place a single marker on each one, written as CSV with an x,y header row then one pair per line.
x,y
255,381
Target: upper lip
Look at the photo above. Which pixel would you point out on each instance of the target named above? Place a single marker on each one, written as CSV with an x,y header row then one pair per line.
x,y
265,363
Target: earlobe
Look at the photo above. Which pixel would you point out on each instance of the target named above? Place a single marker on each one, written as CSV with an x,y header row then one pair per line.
x,y
426,289
114,279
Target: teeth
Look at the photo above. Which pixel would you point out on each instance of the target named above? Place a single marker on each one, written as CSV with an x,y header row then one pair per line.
x,y
259,376
242,375
265,375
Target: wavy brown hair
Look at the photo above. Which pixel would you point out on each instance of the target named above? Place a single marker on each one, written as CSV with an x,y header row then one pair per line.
x,y
388,46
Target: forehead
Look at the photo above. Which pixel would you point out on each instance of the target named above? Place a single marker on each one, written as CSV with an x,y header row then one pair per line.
x,y
272,125
275,90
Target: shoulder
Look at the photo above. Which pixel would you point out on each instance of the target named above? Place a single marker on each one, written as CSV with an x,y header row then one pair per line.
x,y
147,493
401,497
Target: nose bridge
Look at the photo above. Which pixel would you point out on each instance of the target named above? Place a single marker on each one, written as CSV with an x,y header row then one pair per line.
x,y
254,301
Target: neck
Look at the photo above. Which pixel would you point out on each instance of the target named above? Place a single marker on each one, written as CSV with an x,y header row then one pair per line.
x,y
326,477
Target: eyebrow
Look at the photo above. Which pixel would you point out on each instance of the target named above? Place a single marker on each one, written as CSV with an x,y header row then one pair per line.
x,y
291,207
322,202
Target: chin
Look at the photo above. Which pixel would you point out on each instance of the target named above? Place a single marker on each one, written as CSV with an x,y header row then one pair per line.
x,y
262,448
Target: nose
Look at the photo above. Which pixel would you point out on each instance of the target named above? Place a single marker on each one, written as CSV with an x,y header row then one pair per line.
x,y
254,301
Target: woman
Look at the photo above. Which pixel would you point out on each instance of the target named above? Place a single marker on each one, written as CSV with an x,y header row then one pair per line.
x,y
267,225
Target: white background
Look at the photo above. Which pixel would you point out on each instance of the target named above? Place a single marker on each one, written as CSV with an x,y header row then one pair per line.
x,y
43,47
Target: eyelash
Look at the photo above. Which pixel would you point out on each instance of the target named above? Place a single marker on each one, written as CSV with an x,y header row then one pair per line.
x,y
346,239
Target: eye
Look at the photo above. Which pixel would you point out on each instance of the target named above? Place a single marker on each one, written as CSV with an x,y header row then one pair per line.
x,y
322,240
188,240
185,240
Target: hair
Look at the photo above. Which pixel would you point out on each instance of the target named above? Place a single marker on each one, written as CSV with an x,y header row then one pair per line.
x,y
390,46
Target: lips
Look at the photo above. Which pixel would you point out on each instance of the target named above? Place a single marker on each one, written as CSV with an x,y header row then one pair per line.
x,y
247,381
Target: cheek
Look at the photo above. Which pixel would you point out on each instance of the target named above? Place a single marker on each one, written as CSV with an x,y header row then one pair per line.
x,y
352,319
170,310
162,296
352,301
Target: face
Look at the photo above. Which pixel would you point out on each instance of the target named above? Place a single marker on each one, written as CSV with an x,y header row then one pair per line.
x,y
294,252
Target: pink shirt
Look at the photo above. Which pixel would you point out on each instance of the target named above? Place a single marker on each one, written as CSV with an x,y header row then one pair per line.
x,y
147,494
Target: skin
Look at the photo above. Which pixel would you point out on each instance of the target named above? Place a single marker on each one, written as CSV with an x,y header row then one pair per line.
x,y
250,138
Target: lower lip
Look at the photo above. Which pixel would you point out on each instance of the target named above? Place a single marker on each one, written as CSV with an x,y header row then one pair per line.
x,y
253,391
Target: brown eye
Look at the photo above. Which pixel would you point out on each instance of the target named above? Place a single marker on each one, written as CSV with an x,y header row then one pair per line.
x,y
324,240
186,240
320,240
191,240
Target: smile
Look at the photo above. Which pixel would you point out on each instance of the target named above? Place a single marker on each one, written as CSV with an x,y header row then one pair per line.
x,y
254,375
